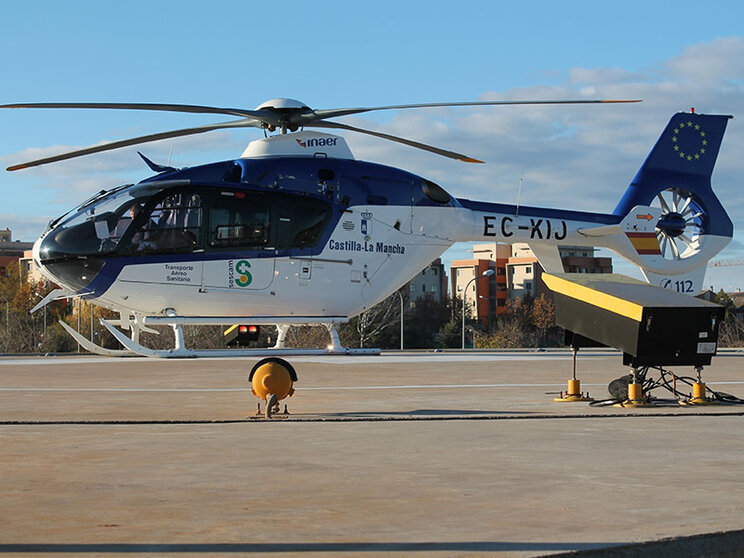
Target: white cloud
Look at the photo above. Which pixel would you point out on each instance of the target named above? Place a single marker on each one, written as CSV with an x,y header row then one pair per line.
x,y
713,64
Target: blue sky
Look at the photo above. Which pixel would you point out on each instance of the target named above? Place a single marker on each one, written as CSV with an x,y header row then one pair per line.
x,y
337,54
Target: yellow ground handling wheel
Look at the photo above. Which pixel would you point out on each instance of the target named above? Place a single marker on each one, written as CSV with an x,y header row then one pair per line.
x,y
271,380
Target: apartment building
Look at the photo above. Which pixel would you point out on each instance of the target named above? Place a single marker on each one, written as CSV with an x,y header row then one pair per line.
x,y
517,273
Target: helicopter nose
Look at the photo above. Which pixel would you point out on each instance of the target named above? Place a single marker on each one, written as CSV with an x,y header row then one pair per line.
x,y
71,271
36,257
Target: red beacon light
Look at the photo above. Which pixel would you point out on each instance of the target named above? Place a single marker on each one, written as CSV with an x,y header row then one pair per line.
x,y
242,334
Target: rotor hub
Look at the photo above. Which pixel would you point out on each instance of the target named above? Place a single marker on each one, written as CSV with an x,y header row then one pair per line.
x,y
282,103
283,112
672,224
682,225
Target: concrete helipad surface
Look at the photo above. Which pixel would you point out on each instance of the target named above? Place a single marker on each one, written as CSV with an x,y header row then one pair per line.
x,y
398,455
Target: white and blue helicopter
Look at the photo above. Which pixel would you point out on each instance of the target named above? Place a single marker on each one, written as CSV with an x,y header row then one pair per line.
x,y
297,231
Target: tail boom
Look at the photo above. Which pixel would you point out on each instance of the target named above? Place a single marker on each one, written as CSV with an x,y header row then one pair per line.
x,y
669,222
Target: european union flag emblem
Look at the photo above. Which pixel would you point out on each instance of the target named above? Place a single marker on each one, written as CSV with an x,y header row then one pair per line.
x,y
689,141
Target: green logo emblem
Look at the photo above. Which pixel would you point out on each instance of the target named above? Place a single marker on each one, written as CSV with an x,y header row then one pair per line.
x,y
244,277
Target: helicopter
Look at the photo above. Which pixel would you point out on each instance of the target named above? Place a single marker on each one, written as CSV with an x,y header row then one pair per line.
x,y
296,231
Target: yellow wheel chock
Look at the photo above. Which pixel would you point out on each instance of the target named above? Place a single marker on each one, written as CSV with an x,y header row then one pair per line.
x,y
272,380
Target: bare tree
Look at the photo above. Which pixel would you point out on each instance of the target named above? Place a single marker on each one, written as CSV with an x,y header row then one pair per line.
x,y
365,327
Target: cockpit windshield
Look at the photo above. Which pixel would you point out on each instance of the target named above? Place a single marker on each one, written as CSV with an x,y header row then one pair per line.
x,y
98,226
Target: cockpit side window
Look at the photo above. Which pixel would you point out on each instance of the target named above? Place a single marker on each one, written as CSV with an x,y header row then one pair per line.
x,y
173,224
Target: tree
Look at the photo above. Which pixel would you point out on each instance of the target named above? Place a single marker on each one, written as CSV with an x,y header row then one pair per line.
x,y
307,337
731,332
542,315
21,331
363,329
449,335
101,336
731,329
519,325
424,320
508,333
726,301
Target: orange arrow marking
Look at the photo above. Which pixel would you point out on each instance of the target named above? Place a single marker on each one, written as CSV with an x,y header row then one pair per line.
x,y
647,217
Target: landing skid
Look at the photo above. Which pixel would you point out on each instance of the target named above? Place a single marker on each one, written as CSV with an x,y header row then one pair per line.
x,y
92,347
180,351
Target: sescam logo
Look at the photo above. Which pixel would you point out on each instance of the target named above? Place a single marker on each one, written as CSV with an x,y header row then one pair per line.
x,y
317,142
239,274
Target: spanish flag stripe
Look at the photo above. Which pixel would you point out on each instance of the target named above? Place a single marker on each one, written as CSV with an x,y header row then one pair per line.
x,y
644,243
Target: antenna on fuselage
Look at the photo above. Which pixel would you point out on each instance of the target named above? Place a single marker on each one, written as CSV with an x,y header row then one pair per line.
x,y
519,195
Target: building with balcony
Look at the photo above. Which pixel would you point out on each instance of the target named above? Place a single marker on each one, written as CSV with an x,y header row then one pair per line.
x,y
517,273
476,290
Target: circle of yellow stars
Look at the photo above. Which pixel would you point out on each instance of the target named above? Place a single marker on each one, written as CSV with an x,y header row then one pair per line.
x,y
690,127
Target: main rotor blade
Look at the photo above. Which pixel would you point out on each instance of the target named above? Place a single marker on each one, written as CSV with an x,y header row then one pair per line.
x,y
146,106
245,123
305,119
418,145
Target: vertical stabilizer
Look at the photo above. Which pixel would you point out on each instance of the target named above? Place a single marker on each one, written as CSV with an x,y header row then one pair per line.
x,y
675,179
683,158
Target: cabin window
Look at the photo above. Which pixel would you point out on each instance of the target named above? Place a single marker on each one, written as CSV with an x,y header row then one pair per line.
x,y
266,220
239,219
434,191
300,221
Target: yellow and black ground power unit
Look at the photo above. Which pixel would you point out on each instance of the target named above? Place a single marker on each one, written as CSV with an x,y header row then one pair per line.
x,y
651,325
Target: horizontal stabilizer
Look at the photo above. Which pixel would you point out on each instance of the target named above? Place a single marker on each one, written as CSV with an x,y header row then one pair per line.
x,y
640,219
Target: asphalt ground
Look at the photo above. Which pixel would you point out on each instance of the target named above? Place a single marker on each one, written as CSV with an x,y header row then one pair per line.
x,y
448,454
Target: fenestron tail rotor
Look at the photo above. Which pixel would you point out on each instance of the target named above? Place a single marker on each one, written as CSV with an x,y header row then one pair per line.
x,y
286,115
682,223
